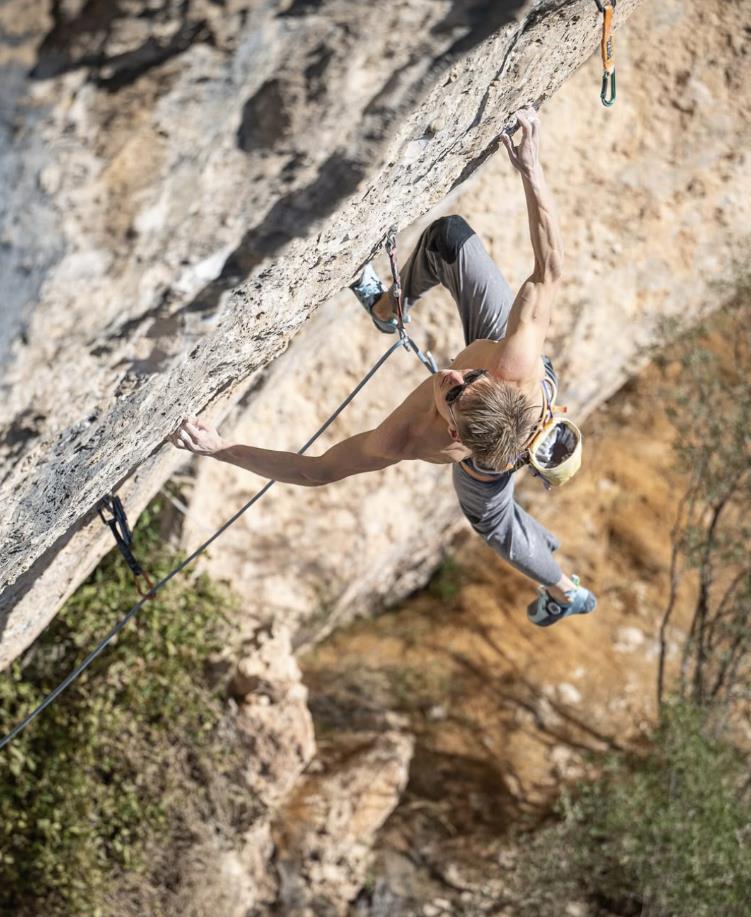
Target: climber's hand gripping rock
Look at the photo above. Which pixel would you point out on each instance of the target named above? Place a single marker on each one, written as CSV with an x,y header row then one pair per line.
x,y
526,156
198,437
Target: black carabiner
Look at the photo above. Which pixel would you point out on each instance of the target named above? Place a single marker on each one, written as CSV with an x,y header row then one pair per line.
x,y
118,525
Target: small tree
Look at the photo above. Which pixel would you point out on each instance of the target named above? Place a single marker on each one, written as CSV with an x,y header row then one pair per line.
x,y
711,412
667,832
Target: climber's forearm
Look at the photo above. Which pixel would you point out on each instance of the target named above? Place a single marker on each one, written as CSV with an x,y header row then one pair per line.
x,y
544,228
529,318
285,467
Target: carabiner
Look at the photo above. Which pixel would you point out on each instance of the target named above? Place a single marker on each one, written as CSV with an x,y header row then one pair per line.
x,y
117,522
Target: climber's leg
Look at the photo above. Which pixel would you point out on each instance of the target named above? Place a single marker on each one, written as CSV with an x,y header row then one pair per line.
x,y
451,253
493,513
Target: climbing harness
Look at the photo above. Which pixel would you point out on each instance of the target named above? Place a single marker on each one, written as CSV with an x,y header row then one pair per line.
x,y
607,93
117,521
426,358
118,524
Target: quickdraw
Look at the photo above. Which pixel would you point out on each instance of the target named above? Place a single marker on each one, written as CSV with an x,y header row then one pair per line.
x,y
118,525
396,289
427,359
607,93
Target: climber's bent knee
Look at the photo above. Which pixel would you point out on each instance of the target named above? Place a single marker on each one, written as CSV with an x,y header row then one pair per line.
x,y
447,235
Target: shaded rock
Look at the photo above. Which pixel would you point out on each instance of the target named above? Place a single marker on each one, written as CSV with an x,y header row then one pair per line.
x,y
231,881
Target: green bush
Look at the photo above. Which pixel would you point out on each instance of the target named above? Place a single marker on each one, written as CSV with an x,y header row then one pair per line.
x,y
666,834
123,760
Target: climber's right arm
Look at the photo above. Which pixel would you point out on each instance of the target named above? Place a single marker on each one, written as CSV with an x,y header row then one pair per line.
x,y
355,455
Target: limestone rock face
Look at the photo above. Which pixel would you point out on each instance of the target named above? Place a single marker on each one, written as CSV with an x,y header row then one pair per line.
x,y
189,185
188,182
236,876
273,717
325,832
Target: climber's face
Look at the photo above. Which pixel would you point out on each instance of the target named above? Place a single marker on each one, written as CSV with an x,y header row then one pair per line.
x,y
449,386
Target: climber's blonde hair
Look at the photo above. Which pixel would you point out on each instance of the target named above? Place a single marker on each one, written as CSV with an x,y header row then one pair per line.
x,y
496,421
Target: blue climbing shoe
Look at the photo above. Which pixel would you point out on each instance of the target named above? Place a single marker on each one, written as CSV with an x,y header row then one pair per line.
x,y
545,611
368,290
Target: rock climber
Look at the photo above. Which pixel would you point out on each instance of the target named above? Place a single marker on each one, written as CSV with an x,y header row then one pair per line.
x,y
480,413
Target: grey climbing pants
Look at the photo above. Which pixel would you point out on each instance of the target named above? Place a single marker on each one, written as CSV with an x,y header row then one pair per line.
x,y
450,253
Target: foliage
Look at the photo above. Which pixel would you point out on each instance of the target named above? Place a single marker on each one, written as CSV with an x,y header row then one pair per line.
x,y
125,755
711,410
447,580
663,835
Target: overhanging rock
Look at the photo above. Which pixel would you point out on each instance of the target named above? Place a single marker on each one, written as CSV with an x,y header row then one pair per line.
x,y
186,189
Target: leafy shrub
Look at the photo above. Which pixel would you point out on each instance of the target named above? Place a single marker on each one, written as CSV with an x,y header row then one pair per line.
x,y
667,834
124,761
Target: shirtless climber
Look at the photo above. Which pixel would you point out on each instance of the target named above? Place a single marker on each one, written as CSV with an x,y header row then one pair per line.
x,y
480,412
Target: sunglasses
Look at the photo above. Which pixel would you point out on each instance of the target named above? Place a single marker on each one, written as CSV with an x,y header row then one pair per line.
x,y
472,376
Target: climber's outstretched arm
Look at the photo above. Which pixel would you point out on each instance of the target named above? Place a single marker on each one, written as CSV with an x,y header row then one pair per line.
x,y
530,314
355,455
